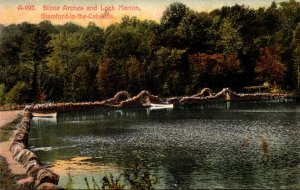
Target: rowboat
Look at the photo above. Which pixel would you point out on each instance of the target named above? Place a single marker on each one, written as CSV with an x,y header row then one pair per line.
x,y
45,115
161,106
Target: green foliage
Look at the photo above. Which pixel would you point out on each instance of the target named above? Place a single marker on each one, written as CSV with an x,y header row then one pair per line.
x,y
7,179
296,56
34,50
111,183
2,93
193,31
69,27
167,71
69,67
74,63
10,45
19,94
135,178
135,75
230,41
7,130
70,182
140,178
79,84
122,42
110,78
173,15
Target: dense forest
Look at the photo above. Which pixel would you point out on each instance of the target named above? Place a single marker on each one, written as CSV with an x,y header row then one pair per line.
x,y
232,47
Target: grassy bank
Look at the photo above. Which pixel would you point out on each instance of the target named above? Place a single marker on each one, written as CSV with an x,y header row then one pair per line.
x,y
7,180
7,130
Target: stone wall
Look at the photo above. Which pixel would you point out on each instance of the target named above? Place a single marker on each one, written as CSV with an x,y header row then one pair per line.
x,y
145,98
38,177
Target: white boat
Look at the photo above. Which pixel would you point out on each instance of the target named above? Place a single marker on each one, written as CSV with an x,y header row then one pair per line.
x,y
161,106
45,115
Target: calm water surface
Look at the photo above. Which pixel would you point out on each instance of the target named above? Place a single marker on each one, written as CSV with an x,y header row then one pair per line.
x,y
237,145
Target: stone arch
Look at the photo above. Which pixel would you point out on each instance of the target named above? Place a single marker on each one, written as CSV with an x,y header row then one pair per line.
x,y
140,98
116,98
204,92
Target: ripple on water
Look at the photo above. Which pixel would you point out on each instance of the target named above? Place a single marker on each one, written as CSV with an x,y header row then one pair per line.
x,y
195,148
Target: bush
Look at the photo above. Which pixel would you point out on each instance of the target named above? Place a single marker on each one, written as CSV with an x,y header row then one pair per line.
x,y
2,93
19,94
135,178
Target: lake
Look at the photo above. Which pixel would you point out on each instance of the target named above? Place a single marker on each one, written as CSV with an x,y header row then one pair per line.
x,y
218,145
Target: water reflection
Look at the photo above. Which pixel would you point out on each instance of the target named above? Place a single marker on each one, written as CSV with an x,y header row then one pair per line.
x,y
73,171
132,113
245,145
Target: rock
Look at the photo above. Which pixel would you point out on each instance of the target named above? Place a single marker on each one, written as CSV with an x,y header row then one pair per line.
x,y
47,186
30,157
24,156
16,147
45,175
33,171
27,114
30,164
22,130
21,137
23,183
24,125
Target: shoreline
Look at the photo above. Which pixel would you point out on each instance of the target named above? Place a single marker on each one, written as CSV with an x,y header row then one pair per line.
x,y
15,170
7,117
145,98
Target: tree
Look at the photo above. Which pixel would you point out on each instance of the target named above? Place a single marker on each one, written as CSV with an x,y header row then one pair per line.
x,y
19,94
69,54
93,43
289,18
2,93
131,44
69,27
215,71
1,28
173,15
10,46
93,39
170,20
296,66
269,67
48,27
192,31
135,75
230,41
78,88
122,43
34,51
110,77
167,71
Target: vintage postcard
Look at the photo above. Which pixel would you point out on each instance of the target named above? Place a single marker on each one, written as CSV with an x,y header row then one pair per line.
x,y
148,94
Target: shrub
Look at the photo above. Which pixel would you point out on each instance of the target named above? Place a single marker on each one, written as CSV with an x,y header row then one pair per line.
x,y
19,94
2,93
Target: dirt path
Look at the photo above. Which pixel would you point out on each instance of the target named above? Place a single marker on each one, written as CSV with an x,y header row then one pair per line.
x,y
8,116
5,118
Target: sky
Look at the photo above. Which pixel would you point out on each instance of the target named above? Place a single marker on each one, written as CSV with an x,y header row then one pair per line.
x,y
35,11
